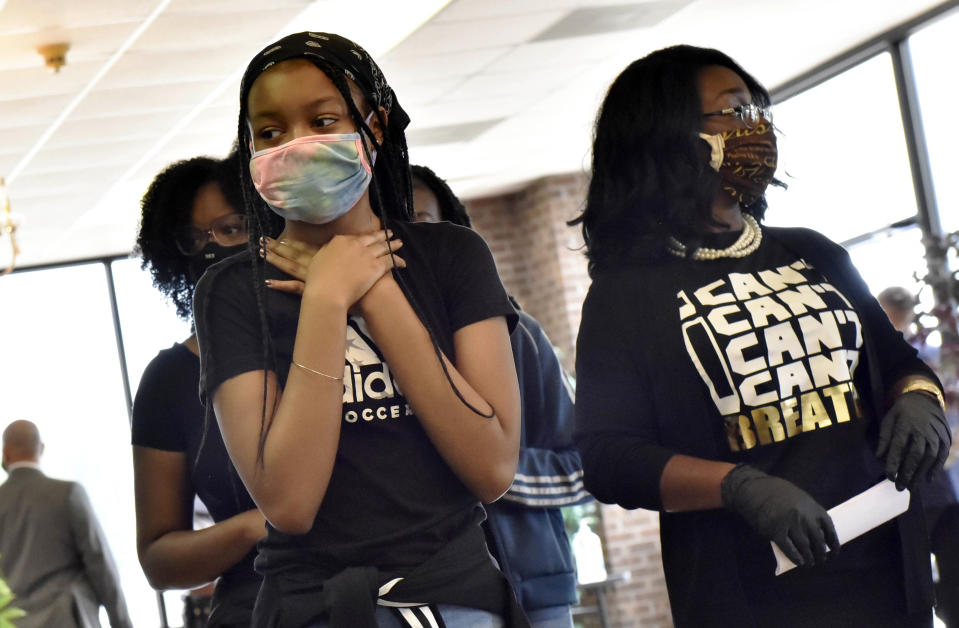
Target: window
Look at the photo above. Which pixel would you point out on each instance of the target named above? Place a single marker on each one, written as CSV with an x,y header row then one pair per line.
x,y
59,369
934,52
843,155
148,321
892,258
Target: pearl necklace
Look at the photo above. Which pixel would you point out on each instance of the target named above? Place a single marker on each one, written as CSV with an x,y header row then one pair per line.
x,y
747,242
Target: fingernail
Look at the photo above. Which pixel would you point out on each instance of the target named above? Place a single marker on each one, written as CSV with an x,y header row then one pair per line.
x,y
268,282
262,252
262,240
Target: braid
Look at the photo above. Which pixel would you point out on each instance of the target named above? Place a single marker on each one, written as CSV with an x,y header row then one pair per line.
x,y
261,223
394,150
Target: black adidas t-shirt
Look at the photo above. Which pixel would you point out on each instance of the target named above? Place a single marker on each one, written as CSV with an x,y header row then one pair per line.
x,y
392,500
758,360
168,415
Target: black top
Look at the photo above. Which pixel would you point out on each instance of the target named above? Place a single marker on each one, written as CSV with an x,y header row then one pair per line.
x,y
760,360
392,501
168,415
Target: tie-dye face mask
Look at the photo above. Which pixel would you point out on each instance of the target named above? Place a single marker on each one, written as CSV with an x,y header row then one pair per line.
x,y
315,179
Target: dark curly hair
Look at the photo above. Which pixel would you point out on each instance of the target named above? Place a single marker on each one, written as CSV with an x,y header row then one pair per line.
x,y
651,176
451,208
166,210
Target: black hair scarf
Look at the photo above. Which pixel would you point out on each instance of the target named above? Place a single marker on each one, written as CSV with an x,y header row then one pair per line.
x,y
339,52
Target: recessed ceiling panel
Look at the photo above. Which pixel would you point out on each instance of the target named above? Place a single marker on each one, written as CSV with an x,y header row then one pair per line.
x,y
610,19
432,39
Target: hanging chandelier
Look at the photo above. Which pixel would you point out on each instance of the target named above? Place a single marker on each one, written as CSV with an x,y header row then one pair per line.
x,y
8,227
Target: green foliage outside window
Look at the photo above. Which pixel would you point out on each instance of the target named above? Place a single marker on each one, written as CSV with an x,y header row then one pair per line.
x,y
7,612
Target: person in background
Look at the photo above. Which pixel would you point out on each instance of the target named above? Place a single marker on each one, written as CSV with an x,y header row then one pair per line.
x,y
524,528
55,556
900,306
939,495
739,378
189,221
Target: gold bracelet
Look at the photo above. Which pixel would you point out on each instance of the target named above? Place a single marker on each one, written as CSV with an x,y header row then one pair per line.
x,y
314,371
924,385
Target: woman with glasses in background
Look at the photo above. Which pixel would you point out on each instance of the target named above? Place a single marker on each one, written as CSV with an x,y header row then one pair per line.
x,y
190,220
739,378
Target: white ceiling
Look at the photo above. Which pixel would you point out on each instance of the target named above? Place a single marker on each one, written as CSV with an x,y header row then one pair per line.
x,y
500,91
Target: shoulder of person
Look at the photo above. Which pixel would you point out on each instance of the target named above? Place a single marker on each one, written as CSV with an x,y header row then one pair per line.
x,y
66,488
230,273
170,357
444,245
442,231
801,235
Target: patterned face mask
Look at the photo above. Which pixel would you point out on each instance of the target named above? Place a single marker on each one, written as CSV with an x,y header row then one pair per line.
x,y
745,159
314,179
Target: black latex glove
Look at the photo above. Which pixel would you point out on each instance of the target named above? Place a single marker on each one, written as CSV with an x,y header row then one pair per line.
x,y
914,438
782,512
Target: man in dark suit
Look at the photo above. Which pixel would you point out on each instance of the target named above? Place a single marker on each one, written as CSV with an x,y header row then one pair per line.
x,y
52,550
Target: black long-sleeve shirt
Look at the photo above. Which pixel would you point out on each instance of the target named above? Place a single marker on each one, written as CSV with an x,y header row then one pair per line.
x,y
780,359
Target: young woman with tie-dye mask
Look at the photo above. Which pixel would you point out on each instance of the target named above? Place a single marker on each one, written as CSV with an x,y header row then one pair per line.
x,y
371,415
738,378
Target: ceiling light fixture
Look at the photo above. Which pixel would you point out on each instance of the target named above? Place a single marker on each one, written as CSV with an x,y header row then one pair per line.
x,y
8,226
54,56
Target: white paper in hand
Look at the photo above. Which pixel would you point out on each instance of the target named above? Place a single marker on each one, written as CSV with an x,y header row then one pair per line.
x,y
858,515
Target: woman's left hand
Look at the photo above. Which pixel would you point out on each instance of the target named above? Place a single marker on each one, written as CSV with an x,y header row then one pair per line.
x,y
292,257
914,439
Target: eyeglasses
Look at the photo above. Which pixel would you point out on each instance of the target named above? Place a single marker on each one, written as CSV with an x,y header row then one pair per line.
x,y
750,114
228,230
